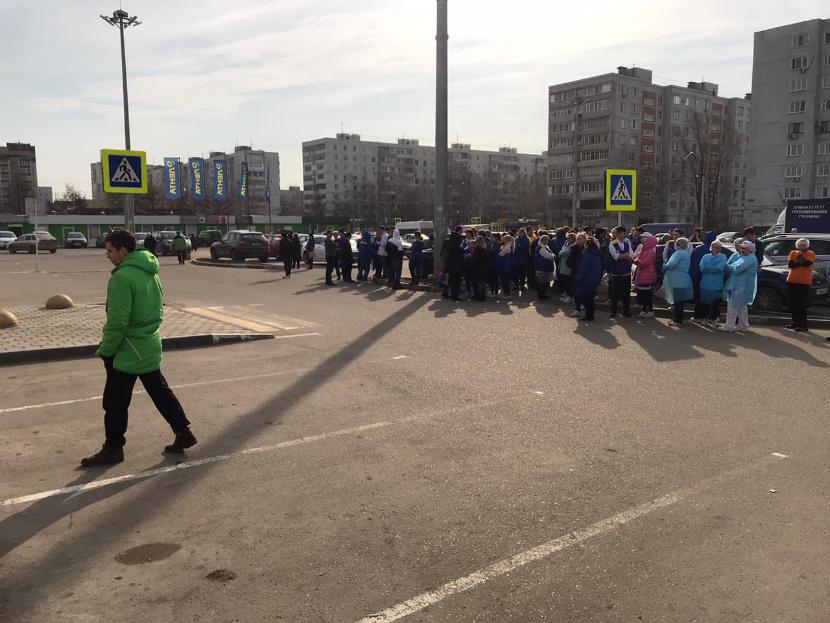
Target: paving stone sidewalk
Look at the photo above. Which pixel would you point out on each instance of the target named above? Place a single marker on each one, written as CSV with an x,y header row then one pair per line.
x,y
41,328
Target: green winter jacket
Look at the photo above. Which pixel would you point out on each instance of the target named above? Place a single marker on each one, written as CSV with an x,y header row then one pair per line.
x,y
179,244
135,305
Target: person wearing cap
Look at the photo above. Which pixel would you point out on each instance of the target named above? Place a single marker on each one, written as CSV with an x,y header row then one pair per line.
x,y
799,280
677,281
740,288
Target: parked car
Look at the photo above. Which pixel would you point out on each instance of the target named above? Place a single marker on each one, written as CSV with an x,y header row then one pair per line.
x,y
239,245
273,245
75,240
206,238
728,236
7,237
778,247
100,244
44,241
164,245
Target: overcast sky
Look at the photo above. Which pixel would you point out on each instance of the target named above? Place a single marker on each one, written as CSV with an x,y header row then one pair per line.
x,y
205,76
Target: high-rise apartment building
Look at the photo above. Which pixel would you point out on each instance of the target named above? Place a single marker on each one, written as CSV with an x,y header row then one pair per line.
x,y
376,181
677,138
790,140
18,177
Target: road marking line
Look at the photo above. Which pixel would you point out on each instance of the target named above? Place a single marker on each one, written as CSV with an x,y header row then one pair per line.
x,y
400,357
227,319
538,393
98,484
288,337
544,550
781,456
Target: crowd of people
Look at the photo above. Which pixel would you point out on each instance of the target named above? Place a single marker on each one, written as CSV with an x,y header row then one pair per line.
x,y
695,270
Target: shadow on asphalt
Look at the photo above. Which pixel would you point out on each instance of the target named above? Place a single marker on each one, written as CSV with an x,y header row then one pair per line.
x,y
69,557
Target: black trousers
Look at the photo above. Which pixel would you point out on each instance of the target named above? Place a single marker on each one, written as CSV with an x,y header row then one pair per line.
x,y
479,293
415,271
588,303
329,268
678,312
455,284
118,393
395,268
799,293
646,299
619,290
287,265
181,255
708,311
346,267
505,280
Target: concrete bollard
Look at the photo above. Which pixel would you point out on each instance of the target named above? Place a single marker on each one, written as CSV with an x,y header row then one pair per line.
x,y
59,301
7,319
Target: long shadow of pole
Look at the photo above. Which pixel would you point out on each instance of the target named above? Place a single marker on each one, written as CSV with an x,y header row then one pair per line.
x,y
152,499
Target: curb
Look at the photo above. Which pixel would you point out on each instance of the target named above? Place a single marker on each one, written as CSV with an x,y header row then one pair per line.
x,y
43,355
231,264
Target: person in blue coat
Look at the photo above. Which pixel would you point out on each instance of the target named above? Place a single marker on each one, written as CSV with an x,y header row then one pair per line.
x,y
521,256
694,270
588,277
507,265
365,252
677,281
740,288
712,267
544,265
494,245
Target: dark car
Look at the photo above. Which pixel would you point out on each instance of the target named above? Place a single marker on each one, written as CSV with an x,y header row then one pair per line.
x,y
206,238
239,245
772,293
75,240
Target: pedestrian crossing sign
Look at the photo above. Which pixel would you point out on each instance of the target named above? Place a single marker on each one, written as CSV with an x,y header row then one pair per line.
x,y
124,171
620,190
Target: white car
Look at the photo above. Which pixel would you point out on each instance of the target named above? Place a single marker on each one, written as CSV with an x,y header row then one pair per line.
x,y
5,238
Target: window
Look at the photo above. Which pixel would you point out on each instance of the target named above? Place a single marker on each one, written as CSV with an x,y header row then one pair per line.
x,y
740,110
825,82
799,41
824,127
795,128
649,149
622,124
823,169
633,124
798,106
632,140
676,99
827,38
823,191
634,107
795,150
675,115
605,88
674,191
793,192
793,170
825,104
827,60
798,84
824,149
648,133
675,145
622,106
800,62
648,117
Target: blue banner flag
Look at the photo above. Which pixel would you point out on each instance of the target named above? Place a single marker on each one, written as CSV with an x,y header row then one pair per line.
x,y
172,183
197,178
220,187
243,182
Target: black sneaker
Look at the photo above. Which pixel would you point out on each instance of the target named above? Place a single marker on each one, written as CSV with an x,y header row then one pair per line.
x,y
107,455
183,440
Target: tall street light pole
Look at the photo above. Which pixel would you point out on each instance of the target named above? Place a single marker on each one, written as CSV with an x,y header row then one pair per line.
x,y
439,218
122,20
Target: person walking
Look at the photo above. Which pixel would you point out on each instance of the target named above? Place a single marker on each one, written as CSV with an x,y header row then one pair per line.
x,y
677,281
286,254
310,245
712,267
149,243
131,349
740,288
416,259
799,280
346,257
621,256
297,248
395,259
180,246
645,278
331,256
544,264
365,250
587,278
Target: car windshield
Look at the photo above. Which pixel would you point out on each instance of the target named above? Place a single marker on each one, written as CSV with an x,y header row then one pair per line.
x,y
167,235
141,235
44,235
253,237
7,234
74,235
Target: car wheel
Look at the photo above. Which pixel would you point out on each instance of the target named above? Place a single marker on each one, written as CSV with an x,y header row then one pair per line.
x,y
53,250
238,257
768,300
213,255
12,250
263,259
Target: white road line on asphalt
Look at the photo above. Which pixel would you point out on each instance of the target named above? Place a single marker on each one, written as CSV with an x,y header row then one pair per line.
x,y
288,337
400,357
538,393
780,456
97,484
507,565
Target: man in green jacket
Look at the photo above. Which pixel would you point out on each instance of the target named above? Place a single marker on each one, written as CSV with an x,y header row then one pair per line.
x,y
131,349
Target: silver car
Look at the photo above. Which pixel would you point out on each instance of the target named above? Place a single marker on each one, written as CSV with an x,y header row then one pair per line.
x,y
6,237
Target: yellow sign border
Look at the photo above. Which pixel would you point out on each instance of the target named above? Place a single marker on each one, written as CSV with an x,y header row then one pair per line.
x,y
105,165
608,191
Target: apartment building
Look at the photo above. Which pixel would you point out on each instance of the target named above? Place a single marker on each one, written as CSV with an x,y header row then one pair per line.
x,y
790,137
18,177
378,181
674,136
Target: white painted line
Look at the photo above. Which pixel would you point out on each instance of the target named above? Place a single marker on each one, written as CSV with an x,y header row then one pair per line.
x,y
400,357
288,337
781,456
97,484
507,565
538,393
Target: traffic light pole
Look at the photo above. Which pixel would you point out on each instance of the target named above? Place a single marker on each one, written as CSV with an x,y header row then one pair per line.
x,y
439,218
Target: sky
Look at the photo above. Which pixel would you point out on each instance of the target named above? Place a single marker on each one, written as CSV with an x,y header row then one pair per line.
x,y
206,76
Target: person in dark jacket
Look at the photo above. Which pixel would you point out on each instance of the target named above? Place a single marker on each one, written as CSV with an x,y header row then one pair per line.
x,y
309,250
416,258
286,254
588,277
621,256
365,251
478,268
749,234
521,257
150,243
544,265
507,263
455,263
331,256
297,248
346,256
493,263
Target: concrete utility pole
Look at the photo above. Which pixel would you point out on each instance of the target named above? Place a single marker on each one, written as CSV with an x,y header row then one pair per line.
x,y
576,163
439,217
122,20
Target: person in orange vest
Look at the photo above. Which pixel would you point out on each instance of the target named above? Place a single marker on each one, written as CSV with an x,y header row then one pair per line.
x,y
799,280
